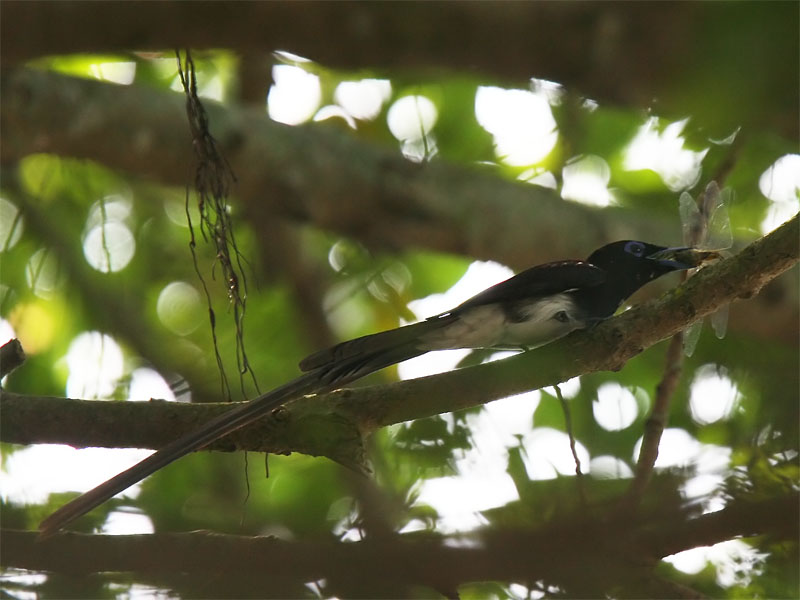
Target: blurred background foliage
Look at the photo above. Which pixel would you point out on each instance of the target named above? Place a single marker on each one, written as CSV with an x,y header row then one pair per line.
x,y
87,250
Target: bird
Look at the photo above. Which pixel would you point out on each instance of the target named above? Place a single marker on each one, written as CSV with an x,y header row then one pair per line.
x,y
530,309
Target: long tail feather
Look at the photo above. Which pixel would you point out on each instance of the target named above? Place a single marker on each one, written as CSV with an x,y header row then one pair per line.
x,y
327,370
211,431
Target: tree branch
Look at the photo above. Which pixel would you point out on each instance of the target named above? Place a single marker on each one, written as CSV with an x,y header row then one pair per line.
x,y
347,414
317,175
608,51
576,551
307,173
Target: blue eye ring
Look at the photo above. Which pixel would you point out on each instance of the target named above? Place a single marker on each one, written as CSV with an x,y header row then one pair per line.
x,y
635,248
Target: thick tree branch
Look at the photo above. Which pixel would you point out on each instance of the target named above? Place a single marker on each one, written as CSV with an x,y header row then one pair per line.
x,y
609,51
329,178
347,414
576,551
308,174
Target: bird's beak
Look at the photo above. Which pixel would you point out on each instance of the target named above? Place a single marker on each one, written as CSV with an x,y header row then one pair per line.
x,y
683,258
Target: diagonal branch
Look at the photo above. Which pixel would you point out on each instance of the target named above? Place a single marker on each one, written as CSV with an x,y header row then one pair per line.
x,y
309,174
347,414
331,179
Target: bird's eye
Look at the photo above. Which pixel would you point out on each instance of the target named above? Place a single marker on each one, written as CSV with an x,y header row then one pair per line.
x,y
561,316
635,248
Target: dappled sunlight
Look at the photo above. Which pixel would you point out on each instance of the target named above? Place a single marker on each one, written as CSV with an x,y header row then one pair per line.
x,y
108,243
147,384
410,120
713,396
363,99
520,121
109,247
609,467
781,181
615,407
482,481
735,562
547,454
411,117
541,177
43,273
31,474
586,181
662,151
366,217
127,523
331,111
781,184
479,276
569,388
11,224
180,307
295,96
95,364
708,463
115,72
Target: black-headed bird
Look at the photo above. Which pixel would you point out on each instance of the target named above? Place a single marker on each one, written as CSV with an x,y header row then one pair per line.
x,y
530,309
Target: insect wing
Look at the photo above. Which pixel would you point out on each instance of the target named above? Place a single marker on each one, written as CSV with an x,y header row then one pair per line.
x,y
719,238
692,222
719,321
691,336
715,208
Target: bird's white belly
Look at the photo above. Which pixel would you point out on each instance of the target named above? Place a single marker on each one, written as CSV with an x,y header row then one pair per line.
x,y
489,326
480,327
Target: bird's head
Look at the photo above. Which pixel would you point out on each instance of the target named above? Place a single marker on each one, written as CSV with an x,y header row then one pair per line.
x,y
630,264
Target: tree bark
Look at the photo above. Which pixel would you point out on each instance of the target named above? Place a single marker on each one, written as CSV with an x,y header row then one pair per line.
x,y
348,414
630,54
576,552
328,178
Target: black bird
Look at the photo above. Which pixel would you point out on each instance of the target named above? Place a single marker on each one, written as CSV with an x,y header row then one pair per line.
x,y
531,308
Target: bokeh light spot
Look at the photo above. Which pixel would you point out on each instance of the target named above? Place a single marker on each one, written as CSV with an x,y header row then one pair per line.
x,y
179,307
363,99
663,152
109,247
713,395
520,121
95,365
295,96
615,407
411,117
547,454
781,184
586,180
43,274
10,224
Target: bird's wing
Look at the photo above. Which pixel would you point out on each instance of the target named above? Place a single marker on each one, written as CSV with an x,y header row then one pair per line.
x,y
372,352
537,282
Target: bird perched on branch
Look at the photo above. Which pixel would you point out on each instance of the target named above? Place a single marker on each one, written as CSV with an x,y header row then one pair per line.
x,y
530,309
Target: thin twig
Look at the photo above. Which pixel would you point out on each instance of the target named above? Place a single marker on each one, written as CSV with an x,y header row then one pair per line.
x,y
656,422
568,427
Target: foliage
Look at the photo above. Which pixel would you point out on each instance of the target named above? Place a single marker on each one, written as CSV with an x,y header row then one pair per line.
x,y
50,295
